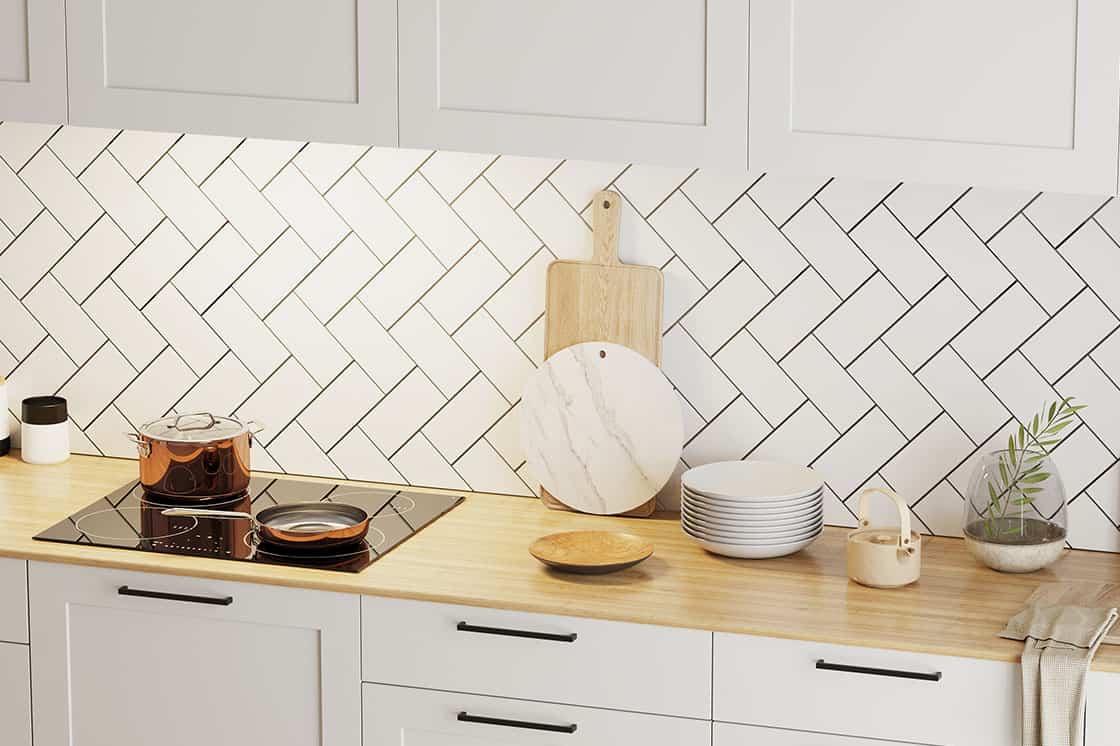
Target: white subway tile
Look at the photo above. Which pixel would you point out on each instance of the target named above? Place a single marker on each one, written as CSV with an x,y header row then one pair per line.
x,y
694,239
794,313
338,278
899,257
433,350
153,263
437,225
67,324
465,287
760,379
401,282
249,212
125,326
372,347
31,255
214,268
826,384
294,324
306,211
1036,265
183,203
246,335
369,215
125,202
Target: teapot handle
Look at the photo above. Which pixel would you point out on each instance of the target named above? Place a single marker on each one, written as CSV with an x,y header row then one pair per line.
x,y
904,539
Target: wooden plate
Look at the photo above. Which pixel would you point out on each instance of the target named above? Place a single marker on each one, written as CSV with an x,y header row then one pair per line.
x,y
591,552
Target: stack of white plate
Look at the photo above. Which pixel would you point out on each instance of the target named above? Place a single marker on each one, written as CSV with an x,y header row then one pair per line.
x,y
752,509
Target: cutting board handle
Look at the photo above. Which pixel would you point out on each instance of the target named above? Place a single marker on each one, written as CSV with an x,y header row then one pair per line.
x,y
608,218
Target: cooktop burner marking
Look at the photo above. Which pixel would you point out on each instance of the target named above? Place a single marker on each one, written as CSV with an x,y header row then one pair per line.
x,y
137,515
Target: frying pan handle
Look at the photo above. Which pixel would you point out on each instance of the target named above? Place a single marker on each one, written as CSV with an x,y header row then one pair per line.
x,y
204,513
607,221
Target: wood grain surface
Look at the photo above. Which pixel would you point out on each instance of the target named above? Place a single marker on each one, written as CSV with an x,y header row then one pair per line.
x,y
604,300
1105,595
477,555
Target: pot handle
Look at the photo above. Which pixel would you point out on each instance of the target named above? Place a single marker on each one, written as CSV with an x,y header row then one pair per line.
x,y
904,538
207,426
143,447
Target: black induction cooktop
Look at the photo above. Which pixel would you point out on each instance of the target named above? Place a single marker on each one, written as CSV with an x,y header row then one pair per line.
x,y
131,519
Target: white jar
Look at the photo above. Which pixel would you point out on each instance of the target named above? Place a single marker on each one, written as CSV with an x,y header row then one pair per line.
x,y
44,432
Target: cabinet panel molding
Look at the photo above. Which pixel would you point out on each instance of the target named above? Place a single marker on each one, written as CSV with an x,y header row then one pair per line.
x,y
321,71
1005,93
33,60
620,81
273,665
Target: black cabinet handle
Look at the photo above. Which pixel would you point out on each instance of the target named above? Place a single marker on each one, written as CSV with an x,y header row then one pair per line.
x,y
124,590
823,665
464,627
465,717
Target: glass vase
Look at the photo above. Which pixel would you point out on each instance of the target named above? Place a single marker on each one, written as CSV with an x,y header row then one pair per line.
x,y
1015,517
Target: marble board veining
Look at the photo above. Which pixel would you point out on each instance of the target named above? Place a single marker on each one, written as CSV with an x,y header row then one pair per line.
x,y
601,427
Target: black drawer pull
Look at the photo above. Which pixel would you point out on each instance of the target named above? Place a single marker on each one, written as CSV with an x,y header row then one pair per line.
x,y
464,627
465,717
825,666
124,590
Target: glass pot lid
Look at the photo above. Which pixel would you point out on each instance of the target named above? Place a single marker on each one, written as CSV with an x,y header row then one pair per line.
x,y
198,427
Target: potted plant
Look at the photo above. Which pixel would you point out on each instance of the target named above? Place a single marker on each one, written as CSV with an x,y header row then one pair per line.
x,y
1015,510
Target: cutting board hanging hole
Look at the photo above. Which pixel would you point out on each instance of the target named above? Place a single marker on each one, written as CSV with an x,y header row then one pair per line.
x,y
602,353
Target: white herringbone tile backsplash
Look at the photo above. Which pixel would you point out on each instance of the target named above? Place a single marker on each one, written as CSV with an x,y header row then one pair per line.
x,y
380,309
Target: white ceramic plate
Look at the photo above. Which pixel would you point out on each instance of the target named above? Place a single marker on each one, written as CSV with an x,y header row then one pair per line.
x,y
759,480
720,524
728,539
752,537
751,511
734,524
752,515
751,502
753,552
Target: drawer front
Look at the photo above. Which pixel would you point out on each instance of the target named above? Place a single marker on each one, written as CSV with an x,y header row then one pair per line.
x,y
866,692
13,600
15,695
726,734
537,656
394,715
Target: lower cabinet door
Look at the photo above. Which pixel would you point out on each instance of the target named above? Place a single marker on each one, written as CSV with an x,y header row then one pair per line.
x,y
138,659
401,716
15,695
726,734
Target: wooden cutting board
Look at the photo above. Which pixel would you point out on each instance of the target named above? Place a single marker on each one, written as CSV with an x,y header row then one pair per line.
x,y
1080,593
604,300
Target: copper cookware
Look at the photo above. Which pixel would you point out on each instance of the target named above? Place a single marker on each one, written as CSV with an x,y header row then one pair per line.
x,y
195,456
297,525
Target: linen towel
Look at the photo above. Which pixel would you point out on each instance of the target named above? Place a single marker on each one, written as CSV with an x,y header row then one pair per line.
x,y
1060,642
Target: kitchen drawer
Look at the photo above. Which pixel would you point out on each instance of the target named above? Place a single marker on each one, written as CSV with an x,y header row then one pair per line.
x,y
15,695
13,600
537,656
726,734
794,684
394,715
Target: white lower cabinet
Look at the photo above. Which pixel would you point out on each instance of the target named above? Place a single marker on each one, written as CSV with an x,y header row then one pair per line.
x,y
400,716
15,695
866,692
728,734
135,659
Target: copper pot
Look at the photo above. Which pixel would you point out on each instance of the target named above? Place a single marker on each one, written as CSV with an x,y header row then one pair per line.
x,y
195,456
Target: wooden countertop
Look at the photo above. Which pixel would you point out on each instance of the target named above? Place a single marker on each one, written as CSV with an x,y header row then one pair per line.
x,y
477,555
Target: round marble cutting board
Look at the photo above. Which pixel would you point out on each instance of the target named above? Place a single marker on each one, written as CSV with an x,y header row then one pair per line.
x,y
601,427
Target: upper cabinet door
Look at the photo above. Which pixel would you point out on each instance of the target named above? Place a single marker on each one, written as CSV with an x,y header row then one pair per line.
x,y
624,80
33,60
1019,93
323,70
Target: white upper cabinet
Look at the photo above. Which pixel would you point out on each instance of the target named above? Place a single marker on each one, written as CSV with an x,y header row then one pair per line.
x,y
625,80
33,60
323,70
1019,93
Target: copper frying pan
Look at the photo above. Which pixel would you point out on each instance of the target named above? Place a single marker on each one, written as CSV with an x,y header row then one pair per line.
x,y
298,525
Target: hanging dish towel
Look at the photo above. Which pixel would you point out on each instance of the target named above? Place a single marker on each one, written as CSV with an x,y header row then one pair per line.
x,y
1060,642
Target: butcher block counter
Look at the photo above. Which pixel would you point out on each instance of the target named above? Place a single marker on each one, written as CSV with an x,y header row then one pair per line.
x,y
477,555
